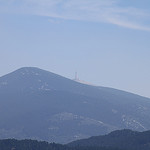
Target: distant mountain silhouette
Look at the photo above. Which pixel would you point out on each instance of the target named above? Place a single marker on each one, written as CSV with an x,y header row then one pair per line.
x,y
41,105
124,139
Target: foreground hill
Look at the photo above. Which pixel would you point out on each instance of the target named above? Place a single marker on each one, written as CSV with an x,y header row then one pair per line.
x,y
116,140
38,104
124,139
12,144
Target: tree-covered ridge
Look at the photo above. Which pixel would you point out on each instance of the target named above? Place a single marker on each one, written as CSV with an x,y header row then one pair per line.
x,y
125,139
116,140
12,144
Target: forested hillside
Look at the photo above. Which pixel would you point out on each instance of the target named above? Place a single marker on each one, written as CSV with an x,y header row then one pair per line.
x,y
12,144
125,139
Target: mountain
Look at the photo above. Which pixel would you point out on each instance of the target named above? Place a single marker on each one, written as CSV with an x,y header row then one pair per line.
x,y
124,139
41,105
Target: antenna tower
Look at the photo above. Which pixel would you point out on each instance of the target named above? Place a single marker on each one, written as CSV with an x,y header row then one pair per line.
x,y
76,76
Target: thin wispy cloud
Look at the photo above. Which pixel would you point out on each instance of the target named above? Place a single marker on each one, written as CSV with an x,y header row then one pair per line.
x,y
107,11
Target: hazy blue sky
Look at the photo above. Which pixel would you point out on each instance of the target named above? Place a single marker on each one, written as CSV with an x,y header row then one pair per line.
x,y
106,41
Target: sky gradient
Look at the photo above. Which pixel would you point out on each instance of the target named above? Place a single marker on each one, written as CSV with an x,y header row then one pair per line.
x,y
106,41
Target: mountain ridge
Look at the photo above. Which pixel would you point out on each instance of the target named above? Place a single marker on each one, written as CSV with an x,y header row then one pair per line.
x,y
124,139
34,69
117,140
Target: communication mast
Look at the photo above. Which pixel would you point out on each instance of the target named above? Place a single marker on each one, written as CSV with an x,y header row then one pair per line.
x,y
76,76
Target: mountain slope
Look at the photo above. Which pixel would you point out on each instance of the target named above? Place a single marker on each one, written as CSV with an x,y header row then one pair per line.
x,y
124,139
41,105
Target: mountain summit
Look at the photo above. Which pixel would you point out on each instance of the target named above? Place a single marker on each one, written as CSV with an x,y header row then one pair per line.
x,y
42,105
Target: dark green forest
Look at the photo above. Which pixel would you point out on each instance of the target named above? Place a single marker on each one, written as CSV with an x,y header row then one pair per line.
x,y
116,140
124,139
12,144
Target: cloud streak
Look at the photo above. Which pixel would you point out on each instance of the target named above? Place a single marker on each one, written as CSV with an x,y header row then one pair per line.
x,y
106,11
